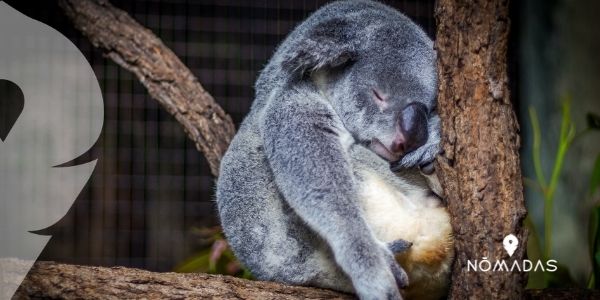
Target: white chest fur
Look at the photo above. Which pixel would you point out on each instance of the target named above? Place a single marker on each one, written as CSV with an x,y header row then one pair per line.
x,y
417,217
393,214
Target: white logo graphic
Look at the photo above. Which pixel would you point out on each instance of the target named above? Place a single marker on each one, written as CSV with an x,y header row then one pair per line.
x,y
510,244
56,115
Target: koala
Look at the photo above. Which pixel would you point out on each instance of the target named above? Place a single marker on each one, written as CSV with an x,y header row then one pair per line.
x,y
306,193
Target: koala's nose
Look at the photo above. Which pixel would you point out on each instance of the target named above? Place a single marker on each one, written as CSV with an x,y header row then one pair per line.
x,y
413,129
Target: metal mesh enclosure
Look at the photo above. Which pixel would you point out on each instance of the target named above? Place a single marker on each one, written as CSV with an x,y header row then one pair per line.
x,y
151,186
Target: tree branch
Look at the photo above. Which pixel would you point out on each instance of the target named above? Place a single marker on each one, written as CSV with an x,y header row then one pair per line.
x,y
48,280
167,79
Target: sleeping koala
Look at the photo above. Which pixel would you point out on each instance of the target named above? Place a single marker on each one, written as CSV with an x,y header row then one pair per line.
x,y
306,195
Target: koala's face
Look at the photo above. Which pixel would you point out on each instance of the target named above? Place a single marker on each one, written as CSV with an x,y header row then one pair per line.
x,y
386,94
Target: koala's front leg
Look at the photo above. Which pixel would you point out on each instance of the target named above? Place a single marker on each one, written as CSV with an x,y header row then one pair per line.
x,y
312,170
424,155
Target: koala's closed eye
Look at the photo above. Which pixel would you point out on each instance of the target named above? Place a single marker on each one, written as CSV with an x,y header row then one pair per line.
x,y
380,98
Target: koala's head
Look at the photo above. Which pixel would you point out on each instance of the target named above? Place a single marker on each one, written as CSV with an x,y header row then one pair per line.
x,y
379,73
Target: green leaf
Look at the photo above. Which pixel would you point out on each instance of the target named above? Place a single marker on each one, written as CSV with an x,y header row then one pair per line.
x,y
593,121
198,263
246,274
535,280
537,138
595,178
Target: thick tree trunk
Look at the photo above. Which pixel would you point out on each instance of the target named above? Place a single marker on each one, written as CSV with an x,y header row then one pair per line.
x,y
167,79
480,168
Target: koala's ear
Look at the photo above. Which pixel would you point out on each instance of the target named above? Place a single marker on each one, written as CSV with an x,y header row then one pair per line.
x,y
330,43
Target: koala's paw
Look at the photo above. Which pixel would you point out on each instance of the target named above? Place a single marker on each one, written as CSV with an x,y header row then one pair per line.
x,y
421,157
383,282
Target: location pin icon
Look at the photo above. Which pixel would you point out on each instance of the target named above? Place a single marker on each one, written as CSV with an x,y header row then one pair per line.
x,y
510,244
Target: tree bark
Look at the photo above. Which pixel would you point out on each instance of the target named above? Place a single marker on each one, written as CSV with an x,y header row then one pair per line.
x,y
48,280
167,79
479,169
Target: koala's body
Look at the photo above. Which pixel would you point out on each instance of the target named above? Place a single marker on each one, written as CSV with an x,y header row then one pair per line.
x,y
305,193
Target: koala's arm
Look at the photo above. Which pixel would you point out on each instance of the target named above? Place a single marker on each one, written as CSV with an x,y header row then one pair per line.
x,y
426,153
313,173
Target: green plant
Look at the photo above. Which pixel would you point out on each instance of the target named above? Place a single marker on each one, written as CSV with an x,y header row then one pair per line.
x,y
217,258
547,189
594,228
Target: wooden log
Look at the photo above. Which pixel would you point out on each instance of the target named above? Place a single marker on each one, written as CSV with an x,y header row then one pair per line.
x,y
48,280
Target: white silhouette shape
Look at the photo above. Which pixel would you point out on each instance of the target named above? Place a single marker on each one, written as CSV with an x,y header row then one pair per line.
x,y
511,243
61,119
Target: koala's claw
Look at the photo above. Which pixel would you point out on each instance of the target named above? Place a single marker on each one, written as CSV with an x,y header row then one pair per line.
x,y
399,246
421,157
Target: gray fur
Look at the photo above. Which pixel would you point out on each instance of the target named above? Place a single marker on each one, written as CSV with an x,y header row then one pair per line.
x,y
287,191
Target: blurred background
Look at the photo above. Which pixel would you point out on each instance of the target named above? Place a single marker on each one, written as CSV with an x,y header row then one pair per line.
x,y
149,203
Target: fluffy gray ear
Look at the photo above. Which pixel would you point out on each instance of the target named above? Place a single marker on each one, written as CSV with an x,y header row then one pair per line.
x,y
330,43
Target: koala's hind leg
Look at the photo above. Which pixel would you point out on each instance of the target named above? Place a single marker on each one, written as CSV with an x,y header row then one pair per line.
x,y
263,231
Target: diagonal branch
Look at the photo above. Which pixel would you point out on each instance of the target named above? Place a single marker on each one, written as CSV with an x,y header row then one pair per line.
x,y
168,80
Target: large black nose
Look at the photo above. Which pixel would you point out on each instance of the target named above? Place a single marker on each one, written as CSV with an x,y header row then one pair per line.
x,y
413,126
